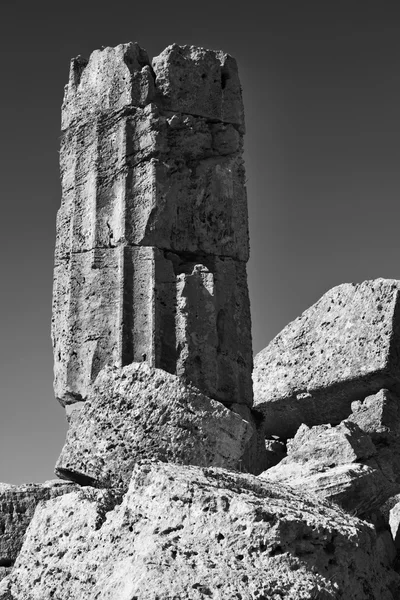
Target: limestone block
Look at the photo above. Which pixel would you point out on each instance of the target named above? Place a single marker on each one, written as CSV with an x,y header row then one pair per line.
x,y
357,488
326,460
175,182
324,445
139,412
111,79
199,208
343,348
212,334
190,533
17,506
378,415
86,323
199,82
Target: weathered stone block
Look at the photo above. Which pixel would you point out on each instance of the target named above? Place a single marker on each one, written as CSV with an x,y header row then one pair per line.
x,y
199,82
378,415
357,488
212,335
343,348
139,412
186,532
111,79
176,183
126,304
327,446
17,506
334,462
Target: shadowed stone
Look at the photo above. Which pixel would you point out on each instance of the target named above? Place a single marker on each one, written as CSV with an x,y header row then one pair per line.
x,y
17,506
341,349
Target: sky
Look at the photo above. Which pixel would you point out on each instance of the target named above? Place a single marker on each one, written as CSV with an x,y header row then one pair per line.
x,y
321,85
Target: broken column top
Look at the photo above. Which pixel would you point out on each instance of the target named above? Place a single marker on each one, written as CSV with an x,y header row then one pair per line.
x,y
183,79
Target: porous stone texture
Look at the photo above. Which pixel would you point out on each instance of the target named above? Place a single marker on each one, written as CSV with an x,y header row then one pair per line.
x,y
334,463
152,232
329,446
343,348
191,533
17,506
378,415
140,412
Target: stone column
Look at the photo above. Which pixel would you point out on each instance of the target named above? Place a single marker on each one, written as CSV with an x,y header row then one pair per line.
x,y
152,233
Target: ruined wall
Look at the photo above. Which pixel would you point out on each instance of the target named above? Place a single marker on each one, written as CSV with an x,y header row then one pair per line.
x,y
152,233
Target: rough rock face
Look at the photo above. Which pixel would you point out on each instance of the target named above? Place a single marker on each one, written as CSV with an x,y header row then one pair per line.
x,y
17,505
191,533
378,415
335,463
344,348
152,233
138,412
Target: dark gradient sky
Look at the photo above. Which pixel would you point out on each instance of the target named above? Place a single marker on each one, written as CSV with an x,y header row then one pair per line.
x,y
321,87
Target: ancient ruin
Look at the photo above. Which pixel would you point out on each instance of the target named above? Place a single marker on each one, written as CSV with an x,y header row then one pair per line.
x,y
177,487
152,234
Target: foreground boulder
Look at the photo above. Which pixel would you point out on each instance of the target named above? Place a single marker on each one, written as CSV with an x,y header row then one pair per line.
x,y
140,412
191,533
343,348
17,505
336,463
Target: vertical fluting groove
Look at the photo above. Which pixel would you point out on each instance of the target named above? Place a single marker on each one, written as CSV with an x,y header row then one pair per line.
x,y
126,292
127,325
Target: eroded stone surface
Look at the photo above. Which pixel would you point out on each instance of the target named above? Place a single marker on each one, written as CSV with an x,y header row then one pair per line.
x,y
200,82
138,412
17,506
191,533
343,348
337,463
152,232
378,415
328,446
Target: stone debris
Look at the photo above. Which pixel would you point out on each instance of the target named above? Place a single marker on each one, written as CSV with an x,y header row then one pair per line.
x,y
152,232
342,349
189,533
17,506
335,464
139,412
378,415
329,446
